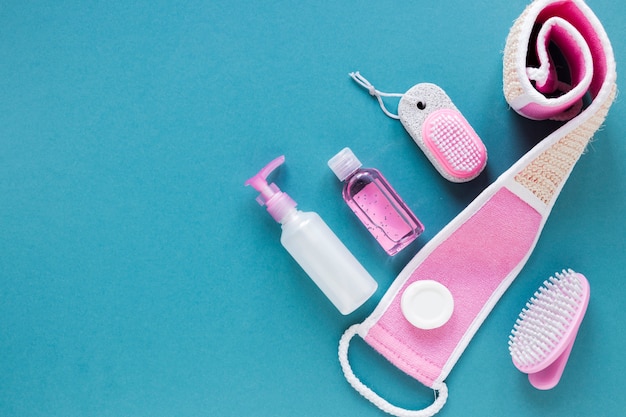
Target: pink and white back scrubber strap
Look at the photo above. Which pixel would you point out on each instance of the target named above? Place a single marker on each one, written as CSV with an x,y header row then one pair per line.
x,y
479,253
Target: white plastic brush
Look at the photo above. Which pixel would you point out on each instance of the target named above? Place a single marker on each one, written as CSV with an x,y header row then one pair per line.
x,y
543,335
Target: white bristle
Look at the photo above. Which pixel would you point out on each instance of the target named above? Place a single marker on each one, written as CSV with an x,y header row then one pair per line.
x,y
455,143
546,319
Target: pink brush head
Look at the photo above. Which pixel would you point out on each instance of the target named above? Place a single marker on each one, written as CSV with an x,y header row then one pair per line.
x,y
454,144
544,333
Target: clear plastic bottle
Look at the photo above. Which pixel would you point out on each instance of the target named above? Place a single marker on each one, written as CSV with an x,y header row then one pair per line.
x,y
376,203
315,247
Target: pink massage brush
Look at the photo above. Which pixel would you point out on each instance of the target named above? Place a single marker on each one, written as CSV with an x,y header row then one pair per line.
x,y
543,335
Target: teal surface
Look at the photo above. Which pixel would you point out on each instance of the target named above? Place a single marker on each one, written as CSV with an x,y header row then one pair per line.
x,y
138,276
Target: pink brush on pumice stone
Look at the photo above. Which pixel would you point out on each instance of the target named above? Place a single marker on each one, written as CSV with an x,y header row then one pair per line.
x,y
437,127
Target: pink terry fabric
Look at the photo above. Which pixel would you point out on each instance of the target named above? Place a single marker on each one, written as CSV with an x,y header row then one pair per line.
x,y
471,263
569,12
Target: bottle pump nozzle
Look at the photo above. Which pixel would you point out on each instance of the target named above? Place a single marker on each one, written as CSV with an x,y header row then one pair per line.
x,y
278,204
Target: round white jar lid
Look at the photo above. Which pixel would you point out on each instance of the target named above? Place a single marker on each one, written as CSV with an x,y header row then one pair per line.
x,y
427,304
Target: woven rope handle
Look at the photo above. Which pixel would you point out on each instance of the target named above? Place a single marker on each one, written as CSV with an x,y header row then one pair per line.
x,y
441,390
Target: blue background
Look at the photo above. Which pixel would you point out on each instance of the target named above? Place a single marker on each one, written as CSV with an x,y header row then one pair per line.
x,y
138,277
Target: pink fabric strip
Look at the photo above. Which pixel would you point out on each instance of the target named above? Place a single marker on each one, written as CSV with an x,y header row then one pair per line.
x,y
573,56
471,263
570,12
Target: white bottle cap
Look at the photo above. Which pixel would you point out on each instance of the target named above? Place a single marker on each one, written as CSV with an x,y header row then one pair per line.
x,y
427,304
344,163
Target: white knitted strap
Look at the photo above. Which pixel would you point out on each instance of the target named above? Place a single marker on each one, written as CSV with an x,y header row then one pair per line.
x,y
441,390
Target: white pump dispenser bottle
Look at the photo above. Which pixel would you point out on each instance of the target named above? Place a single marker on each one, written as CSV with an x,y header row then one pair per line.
x,y
315,247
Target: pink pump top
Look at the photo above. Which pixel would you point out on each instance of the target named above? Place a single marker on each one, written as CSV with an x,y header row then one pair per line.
x,y
278,204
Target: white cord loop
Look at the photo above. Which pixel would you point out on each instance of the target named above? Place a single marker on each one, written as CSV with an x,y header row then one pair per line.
x,y
363,82
441,389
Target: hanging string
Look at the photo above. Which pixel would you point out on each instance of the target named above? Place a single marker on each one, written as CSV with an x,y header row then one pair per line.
x,y
363,82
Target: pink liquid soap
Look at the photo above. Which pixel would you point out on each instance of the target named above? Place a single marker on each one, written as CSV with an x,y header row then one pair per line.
x,y
377,205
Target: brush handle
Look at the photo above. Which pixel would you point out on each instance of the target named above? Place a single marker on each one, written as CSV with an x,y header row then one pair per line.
x,y
548,378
